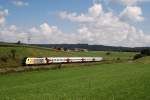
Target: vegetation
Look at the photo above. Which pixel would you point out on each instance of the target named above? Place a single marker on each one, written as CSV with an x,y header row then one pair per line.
x,y
143,53
95,82
12,56
125,80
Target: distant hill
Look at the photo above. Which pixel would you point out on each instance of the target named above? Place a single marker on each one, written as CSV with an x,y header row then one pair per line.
x,y
92,47
85,46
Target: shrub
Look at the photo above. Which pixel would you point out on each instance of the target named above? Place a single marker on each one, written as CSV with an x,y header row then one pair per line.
x,y
108,53
13,53
4,58
145,52
137,56
118,58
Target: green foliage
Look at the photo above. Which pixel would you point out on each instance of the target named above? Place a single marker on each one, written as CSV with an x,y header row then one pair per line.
x,y
4,58
145,52
118,58
96,82
13,53
108,53
137,56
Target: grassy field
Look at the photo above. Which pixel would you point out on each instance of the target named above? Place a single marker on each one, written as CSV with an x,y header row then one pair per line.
x,y
126,81
7,60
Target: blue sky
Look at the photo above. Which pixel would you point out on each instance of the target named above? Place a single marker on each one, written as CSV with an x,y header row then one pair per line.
x,y
34,13
44,10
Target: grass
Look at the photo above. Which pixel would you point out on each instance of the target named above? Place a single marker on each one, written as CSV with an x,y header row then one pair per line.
x,y
124,81
91,81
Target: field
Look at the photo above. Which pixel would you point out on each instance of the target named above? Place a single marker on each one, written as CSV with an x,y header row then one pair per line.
x,y
21,52
127,81
124,80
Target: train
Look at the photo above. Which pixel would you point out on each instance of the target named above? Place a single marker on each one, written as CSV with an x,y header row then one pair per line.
x,y
59,60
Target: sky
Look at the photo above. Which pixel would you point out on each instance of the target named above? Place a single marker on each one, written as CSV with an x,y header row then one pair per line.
x,y
103,22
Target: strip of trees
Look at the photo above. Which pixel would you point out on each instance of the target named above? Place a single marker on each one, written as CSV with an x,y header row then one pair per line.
x,y
143,53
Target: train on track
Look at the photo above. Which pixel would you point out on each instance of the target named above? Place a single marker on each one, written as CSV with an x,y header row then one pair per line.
x,y
60,60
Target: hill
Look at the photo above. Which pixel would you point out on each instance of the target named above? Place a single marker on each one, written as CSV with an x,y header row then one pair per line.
x,y
7,59
143,60
93,47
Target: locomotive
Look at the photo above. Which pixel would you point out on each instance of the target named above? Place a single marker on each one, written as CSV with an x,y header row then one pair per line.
x,y
59,60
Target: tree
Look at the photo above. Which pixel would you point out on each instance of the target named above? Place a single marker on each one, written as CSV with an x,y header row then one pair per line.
x,y
13,53
19,42
108,53
145,52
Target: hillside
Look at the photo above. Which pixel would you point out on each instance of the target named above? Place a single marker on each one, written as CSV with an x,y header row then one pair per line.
x,y
144,60
7,60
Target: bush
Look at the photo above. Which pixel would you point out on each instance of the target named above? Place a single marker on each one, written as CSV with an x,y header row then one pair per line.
x,y
145,52
137,56
118,59
13,53
4,58
108,53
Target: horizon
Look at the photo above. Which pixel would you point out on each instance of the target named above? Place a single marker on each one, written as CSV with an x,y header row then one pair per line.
x,y
121,23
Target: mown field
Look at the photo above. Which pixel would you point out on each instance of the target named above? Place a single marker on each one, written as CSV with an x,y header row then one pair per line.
x,y
124,81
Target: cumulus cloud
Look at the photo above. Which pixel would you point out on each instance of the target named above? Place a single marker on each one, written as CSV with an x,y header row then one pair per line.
x,y
94,27
3,14
20,3
107,28
132,13
46,33
94,11
10,33
128,2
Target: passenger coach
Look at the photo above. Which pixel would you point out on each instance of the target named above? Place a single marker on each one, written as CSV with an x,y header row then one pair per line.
x,y
56,60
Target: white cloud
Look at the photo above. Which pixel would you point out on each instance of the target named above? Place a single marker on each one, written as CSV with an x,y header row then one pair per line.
x,y
108,29
20,3
50,34
12,34
76,18
132,13
94,27
129,2
94,11
3,14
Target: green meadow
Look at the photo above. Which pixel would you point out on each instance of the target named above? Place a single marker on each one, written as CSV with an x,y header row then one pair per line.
x,y
122,80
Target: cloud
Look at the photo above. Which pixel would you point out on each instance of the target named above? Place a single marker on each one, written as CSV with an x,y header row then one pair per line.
x,y
45,33
94,11
132,13
20,3
94,27
3,14
10,33
107,28
129,2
